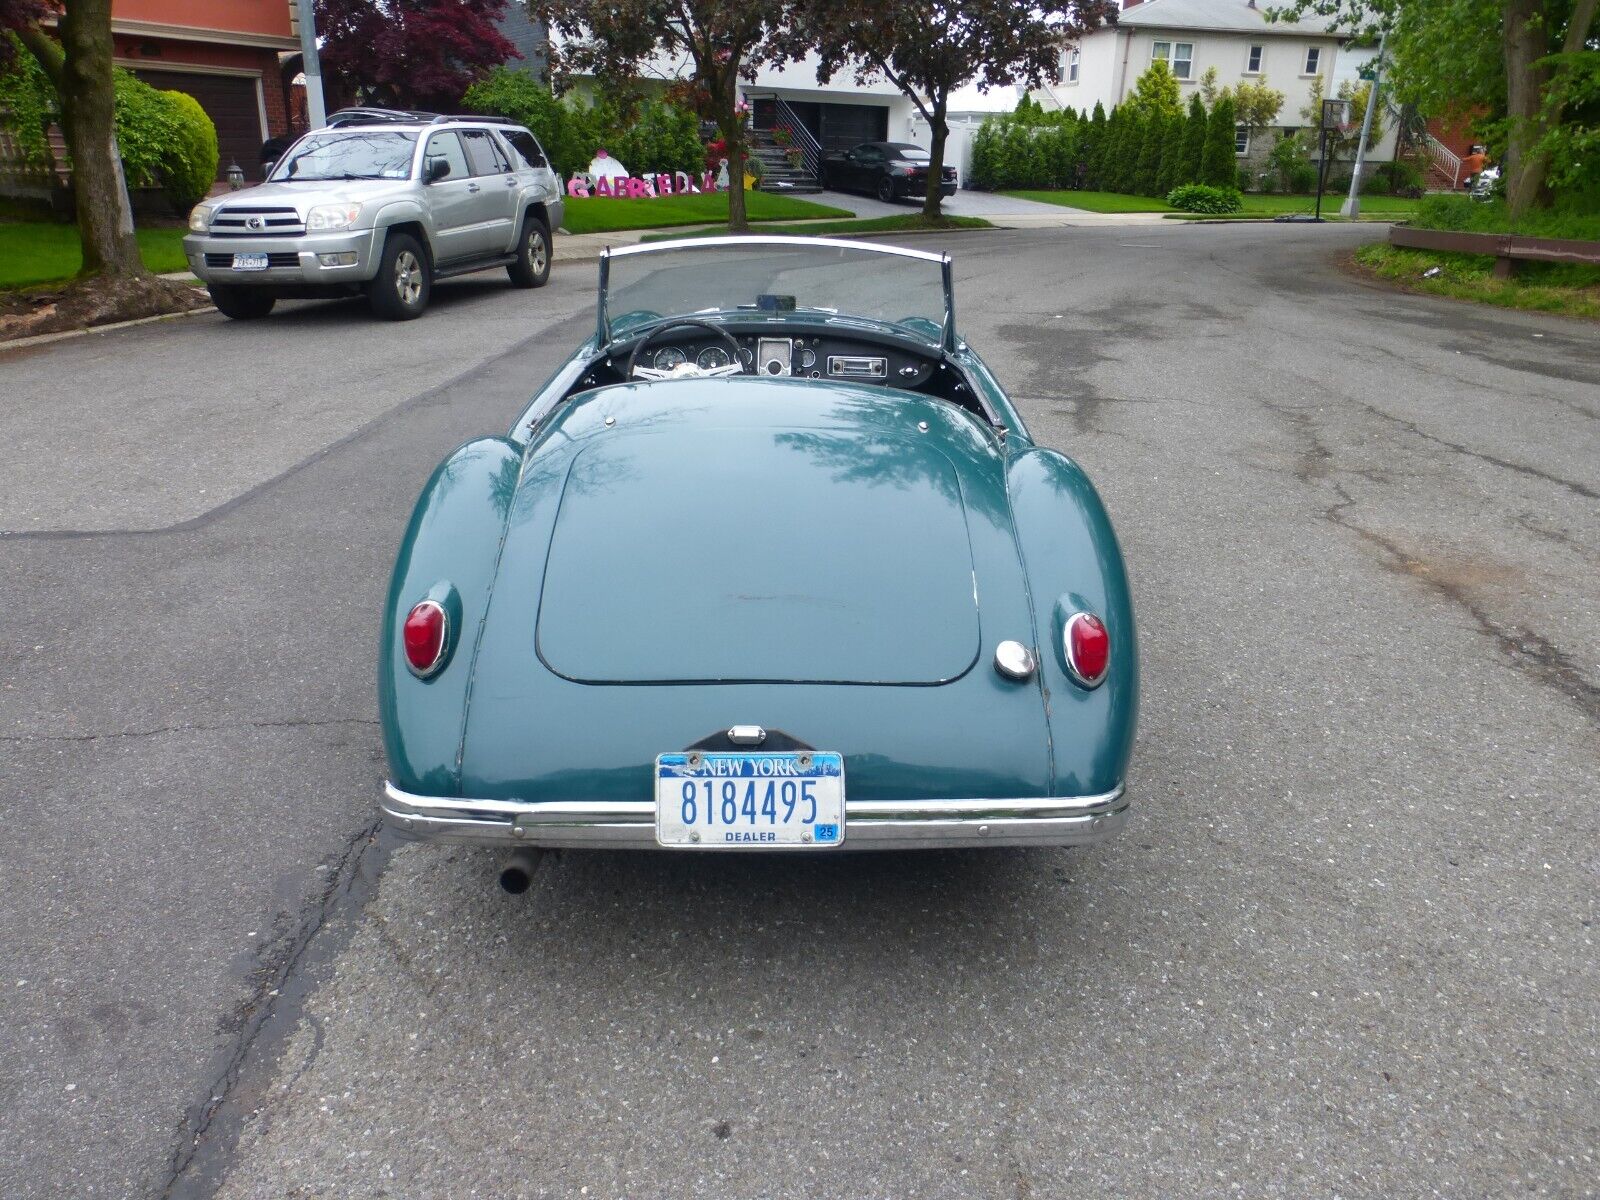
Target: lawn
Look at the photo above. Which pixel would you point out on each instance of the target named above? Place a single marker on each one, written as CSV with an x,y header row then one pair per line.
x,y
1254,204
602,214
909,223
1100,202
1571,290
34,252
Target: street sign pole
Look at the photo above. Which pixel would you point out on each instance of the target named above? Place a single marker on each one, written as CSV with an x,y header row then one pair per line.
x,y
316,110
1352,205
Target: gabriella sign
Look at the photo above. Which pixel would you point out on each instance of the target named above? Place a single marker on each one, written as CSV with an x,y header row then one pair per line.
x,y
608,177
679,183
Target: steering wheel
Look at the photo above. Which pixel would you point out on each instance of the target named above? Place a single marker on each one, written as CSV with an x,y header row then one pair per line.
x,y
688,368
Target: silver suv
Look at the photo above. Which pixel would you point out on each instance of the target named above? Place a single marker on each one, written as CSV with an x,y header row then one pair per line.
x,y
382,203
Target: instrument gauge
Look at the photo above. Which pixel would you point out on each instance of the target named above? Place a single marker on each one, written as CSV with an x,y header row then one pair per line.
x,y
713,357
669,358
808,358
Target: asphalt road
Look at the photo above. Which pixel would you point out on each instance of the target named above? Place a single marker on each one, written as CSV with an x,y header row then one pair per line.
x,y
1345,948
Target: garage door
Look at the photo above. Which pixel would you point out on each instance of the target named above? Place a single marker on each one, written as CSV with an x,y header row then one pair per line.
x,y
230,102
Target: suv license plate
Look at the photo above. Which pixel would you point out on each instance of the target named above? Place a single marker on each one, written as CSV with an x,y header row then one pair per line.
x,y
249,262
715,800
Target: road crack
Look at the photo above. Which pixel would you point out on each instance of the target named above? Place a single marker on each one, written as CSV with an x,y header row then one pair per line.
x,y
271,981
193,727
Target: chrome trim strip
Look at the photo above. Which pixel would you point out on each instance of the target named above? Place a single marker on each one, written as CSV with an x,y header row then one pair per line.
x,y
772,240
869,824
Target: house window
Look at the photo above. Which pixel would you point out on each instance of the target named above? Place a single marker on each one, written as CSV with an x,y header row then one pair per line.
x,y
1179,56
1072,60
1241,140
1313,59
1252,64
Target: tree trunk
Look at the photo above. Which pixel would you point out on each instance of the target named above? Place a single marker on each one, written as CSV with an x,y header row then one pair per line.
x,y
1525,44
733,134
88,116
939,130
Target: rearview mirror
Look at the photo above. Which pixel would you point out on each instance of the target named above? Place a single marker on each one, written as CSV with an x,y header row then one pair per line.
x,y
435,170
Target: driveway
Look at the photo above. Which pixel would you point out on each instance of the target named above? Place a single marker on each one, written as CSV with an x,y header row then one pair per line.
x,y
1346,947
963,204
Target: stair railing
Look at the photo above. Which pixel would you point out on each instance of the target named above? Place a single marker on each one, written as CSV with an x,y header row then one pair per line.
x,y
1446,159
810,148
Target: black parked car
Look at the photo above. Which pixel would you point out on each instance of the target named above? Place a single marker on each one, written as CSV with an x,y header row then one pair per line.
x,y
888,170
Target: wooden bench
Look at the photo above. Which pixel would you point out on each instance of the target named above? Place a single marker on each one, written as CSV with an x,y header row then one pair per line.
x,y
1508,248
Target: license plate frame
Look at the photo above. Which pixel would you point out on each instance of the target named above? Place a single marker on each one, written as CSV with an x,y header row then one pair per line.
x,y
250,262
763,782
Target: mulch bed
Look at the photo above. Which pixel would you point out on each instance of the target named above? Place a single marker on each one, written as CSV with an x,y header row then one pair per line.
x,y
98,300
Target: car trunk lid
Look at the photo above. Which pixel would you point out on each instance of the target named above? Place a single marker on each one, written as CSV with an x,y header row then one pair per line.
x,y
759,555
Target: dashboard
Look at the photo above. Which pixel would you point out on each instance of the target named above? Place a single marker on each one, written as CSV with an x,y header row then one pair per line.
x,y
791,354
796,357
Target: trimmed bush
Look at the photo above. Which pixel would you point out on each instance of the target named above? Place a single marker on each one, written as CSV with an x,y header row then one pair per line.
x,y
189,167
1218,162
1200,198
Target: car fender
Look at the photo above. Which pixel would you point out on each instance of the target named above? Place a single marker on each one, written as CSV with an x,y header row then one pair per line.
x,y
450,554
1073,562
404,211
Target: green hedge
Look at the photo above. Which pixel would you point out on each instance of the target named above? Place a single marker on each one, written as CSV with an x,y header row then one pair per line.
x,y
1202,198
190,164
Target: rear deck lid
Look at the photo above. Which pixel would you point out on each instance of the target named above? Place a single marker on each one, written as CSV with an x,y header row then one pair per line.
x,y
759,555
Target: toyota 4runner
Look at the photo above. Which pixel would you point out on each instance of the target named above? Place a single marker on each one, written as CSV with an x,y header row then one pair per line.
x,y
381,203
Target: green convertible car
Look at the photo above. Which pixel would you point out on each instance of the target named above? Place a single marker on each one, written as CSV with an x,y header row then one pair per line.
x,y
770,563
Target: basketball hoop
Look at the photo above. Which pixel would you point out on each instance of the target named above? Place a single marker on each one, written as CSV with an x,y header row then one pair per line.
x,y
1338,115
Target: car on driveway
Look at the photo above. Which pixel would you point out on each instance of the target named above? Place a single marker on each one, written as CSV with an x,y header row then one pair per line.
x,y
888,170
382,204
771,562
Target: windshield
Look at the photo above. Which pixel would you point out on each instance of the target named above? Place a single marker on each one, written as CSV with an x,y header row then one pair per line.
x,y
776,276
370,154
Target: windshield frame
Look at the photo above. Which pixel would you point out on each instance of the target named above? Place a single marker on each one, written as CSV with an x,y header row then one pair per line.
x,y
603,335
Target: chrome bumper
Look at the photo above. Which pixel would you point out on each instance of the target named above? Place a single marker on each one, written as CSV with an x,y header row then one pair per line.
x,y
869,824
306,248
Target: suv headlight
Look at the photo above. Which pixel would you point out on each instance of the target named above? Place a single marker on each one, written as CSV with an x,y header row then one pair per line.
x,y
325,218
200,218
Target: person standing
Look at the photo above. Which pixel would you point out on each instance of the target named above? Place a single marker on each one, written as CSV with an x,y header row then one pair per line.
x,y
1472,166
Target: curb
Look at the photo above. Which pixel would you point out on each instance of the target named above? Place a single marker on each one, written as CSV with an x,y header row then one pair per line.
x,y
44,339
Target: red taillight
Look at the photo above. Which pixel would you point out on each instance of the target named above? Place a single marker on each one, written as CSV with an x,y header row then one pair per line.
x,y
1088,647
426,633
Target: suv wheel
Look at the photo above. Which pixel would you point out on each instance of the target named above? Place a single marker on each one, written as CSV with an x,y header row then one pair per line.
x,y
241,303
399,291
532,268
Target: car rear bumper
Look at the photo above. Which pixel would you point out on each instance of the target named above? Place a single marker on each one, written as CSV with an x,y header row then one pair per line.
x,y
312,259
869,824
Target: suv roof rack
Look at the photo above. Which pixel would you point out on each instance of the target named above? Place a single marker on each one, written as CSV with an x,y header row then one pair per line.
x,y
361,115
481,118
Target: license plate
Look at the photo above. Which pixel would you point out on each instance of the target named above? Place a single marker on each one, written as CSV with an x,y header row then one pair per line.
x,y
249,262
716,800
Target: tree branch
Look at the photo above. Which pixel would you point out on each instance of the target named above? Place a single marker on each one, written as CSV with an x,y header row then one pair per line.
x,y
1578,27
46,50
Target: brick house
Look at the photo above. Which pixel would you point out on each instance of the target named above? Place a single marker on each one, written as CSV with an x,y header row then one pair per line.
x,y
224,53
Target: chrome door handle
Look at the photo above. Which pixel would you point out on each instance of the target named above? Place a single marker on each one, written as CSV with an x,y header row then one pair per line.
x,y
511,181
472,187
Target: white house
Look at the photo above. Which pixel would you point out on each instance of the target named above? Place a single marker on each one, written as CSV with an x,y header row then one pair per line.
x,y
1233,37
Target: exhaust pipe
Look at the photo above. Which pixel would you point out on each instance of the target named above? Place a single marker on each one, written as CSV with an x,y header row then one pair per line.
x,y
517,875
